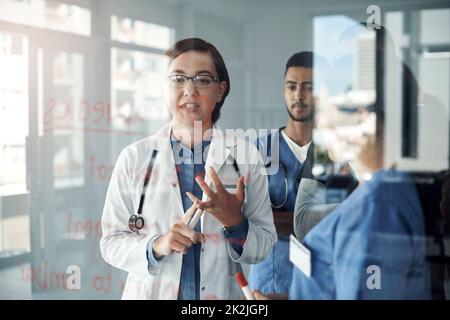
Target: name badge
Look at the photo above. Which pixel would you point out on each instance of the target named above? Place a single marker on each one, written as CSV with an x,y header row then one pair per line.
x,y
300,256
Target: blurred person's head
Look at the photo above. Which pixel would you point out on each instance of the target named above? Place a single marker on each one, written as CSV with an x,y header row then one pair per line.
x,y
198,82
355,118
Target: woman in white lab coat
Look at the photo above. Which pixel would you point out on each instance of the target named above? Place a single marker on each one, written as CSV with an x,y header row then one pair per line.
x,y
233,192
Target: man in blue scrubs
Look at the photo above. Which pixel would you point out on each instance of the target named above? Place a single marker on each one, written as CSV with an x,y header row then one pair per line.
x,y
294,147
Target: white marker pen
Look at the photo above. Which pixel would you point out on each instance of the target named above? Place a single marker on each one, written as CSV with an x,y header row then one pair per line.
x,y
240,278
197,215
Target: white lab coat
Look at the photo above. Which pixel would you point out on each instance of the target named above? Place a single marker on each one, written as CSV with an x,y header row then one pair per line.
x,y
127,250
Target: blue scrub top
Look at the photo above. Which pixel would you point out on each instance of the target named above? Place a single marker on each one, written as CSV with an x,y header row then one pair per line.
x,y
294,169
274,274
380,224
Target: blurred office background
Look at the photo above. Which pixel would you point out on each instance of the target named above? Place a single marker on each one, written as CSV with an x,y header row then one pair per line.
x,y
81,79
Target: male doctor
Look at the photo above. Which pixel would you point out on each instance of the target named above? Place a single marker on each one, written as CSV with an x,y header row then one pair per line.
x,y
293,144
194,168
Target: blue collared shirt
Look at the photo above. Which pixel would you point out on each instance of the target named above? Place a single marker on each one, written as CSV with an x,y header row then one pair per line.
x,y
190,163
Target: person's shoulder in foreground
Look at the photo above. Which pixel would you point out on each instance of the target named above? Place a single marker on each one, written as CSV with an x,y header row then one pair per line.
x,y
370,247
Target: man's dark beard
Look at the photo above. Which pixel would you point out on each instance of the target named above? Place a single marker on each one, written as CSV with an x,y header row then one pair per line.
x,y
309,117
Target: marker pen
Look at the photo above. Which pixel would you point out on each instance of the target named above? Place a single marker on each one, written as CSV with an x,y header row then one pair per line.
x,y
197,215
240,278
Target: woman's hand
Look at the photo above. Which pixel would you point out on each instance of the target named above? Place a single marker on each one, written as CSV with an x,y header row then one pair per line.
x,y
225,206
179,238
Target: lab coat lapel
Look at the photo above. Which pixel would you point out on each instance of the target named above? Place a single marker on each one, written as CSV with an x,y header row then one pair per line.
x,y
166,162
219,151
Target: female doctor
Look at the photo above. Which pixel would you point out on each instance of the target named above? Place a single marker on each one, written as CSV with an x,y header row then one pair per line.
x,y
146,222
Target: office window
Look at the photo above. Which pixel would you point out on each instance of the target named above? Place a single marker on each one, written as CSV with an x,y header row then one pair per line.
x,y
141,33
64,117
435,26
47,14
421,39
345,86
137,99
14,235
137,103
14,112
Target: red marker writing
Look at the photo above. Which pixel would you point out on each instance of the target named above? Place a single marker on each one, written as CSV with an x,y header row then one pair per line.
x,y
240,278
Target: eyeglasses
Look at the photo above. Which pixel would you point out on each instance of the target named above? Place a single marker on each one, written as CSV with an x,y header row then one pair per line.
x,y
200,81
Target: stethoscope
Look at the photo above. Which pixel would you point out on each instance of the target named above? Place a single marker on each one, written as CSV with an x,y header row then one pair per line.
x,y
284,170
278,206
136,221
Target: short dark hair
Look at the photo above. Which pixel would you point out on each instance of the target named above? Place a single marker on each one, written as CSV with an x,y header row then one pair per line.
x,y
303,59
197,44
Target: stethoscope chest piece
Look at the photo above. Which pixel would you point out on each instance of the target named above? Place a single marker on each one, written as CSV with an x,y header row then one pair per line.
x,y
135,223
